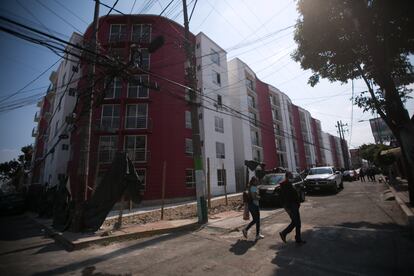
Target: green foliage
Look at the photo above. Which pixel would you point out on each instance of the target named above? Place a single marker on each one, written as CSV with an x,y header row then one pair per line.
x,y
336,37
372,153
10,169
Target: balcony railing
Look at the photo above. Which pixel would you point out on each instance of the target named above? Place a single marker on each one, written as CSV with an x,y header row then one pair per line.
x,y
107,125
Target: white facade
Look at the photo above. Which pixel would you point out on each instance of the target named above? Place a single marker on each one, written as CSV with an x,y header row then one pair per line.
x,y
327,149
215,127
66,82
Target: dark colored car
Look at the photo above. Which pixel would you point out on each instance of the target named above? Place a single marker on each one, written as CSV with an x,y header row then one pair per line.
x,y
269,187
350,175
11,203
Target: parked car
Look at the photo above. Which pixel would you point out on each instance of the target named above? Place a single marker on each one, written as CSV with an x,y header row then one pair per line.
x,y
269,187
350,175
11,203
323,178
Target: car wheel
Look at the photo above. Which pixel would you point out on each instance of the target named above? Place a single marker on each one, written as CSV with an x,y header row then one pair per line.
x,y
335,188
341,185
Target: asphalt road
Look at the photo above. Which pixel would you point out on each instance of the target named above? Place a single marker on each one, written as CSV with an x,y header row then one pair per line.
x,y
354,232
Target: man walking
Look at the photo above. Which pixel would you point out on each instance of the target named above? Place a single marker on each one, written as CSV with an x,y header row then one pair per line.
x,y
290,201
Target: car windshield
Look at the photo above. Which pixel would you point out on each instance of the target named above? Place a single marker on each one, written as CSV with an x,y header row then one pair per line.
x,y
273,179
320,171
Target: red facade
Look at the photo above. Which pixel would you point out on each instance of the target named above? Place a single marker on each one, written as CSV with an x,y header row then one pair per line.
x,y
164,132
334,151
267,129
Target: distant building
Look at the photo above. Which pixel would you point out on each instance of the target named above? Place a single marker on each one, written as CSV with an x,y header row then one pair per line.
x,y
241,118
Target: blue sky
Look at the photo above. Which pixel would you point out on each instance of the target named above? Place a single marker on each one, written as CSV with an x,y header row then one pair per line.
x,y
227,22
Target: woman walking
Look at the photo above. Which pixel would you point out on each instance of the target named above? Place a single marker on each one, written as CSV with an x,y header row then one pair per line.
x,y
253,204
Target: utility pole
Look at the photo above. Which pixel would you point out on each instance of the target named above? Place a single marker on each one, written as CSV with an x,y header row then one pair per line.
x,y
197,155
341,131
85,129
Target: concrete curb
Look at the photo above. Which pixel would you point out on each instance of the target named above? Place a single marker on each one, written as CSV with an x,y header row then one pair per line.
x,y
407,211
76,245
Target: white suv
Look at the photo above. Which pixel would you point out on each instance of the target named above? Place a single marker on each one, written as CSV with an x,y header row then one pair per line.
x,y
322,178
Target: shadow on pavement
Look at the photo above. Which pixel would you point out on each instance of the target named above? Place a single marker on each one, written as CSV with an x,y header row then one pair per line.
x,y
101,258
241,246
18,227
352,248
89,271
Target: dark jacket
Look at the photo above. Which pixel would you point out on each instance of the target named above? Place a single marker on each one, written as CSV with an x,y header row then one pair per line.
x,y
288,195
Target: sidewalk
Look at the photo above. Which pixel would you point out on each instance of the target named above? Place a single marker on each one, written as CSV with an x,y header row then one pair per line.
x,y
400,191
106,234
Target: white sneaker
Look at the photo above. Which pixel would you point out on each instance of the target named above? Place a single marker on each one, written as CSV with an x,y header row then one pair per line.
x,y
259,237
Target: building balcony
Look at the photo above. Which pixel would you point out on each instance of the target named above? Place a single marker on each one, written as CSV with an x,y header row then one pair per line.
x,y
36,117
35,131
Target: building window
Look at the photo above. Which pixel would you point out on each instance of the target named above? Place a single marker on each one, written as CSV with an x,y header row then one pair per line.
x,y
215,57
65,147
221,177
188,119
257,156
255,138
136,147
137,116
253,118
249,84
114,89
117,54
216,78
138,88
219,124
110,117
251,102
117,32
56,128
189,178
219,100
142,176
141,58
107,147
141,33
188,146
220,151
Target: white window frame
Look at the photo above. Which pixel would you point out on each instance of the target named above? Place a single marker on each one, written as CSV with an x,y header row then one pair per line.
x,y
136,88
120,35
114,90
216,78
219,124
144,182
251,101
112,125
188,147
215,57
137,118
190,184
188,123
142,39
133,152
220,154
113,141
220,180
145,58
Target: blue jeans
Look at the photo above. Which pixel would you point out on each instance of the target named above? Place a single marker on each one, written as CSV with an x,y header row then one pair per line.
x,y
293,212
254,210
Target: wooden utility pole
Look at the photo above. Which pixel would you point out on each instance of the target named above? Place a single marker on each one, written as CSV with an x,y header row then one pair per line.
x,y
86,129
197,155
341,131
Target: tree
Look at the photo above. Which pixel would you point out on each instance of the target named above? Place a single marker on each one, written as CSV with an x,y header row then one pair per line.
x,y
10,170
372,40
372,153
